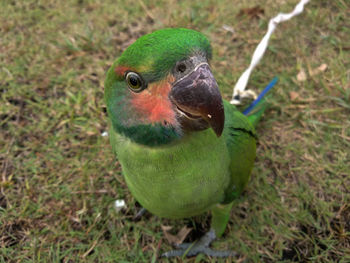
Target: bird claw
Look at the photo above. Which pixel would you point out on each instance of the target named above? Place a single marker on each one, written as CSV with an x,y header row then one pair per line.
x,y
199,247
139,214
199,250
183,245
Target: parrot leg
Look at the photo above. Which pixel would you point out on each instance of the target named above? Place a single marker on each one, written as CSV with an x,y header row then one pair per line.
x,y
139,214
220,217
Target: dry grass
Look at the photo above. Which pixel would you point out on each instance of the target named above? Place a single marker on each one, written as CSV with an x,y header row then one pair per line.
x,y
58,174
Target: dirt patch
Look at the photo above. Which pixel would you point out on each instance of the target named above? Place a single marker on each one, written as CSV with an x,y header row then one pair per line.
x,y
14,232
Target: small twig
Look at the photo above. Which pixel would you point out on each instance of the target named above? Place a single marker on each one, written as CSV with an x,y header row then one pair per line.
x,y
5,164
91,192
146,10
90,249
158,248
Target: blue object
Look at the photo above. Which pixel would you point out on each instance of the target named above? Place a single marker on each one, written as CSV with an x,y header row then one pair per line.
x,y
261,95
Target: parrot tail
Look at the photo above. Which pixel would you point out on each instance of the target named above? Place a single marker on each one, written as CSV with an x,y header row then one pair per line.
x,y
255,110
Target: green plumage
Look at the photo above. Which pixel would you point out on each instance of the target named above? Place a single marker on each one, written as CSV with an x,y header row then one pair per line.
x,y
175,173
190,175
156,53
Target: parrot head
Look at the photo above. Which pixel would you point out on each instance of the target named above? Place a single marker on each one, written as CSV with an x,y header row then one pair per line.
x,y
162,88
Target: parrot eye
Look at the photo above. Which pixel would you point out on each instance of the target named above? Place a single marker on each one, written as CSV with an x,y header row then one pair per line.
x,y
134,81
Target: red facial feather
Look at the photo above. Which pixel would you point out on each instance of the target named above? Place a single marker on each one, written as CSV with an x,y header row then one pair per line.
x,y
120,70
153,102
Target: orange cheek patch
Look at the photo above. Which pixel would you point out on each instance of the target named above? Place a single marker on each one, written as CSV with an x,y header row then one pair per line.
x,y
153,102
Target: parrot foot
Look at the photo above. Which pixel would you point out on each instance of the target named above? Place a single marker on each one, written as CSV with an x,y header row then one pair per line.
x,y
139,214
199,247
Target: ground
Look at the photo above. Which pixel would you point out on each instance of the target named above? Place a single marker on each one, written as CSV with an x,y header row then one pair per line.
x,y
59,178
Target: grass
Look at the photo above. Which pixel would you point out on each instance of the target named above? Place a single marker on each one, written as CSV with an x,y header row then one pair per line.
x,y
58,174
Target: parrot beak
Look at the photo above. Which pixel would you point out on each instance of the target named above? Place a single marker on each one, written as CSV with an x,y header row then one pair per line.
x,y
197,96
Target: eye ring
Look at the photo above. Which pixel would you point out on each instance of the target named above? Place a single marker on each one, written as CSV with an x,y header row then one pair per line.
x,y
134,81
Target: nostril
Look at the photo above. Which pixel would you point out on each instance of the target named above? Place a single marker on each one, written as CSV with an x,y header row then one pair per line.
x,y
181,68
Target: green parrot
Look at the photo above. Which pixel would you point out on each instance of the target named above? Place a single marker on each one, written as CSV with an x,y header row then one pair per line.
x,y
182,148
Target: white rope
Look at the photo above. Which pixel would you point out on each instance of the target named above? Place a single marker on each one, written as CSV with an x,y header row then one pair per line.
x,y
239,91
